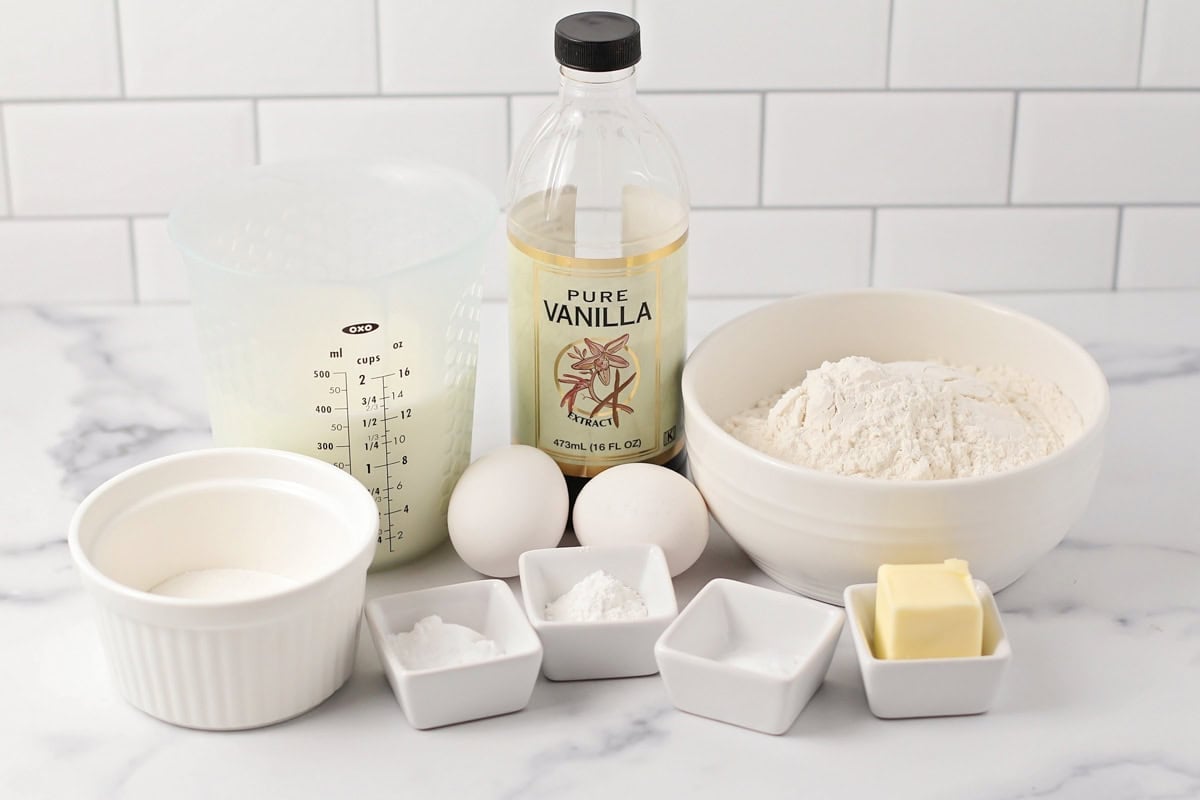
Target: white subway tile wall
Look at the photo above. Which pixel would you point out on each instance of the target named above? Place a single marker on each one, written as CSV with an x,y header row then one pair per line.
x,y
469,133
473,46
778,251
161,277
972,145
523,111
886,148
4,205
65,261
1015,43
1160,248
181,48
764,44
990,249
58,48
1172,57
1108,147
718,138
134,157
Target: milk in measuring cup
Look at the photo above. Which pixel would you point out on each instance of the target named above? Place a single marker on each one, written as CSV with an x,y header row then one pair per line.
x,y
375,399
337,307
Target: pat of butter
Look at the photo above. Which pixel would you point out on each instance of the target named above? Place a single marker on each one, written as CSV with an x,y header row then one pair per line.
x,y
927,611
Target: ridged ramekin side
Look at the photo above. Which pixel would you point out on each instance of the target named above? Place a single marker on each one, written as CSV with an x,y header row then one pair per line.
x,y
227,678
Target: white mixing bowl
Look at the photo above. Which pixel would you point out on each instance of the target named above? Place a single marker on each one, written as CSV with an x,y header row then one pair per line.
x,y
816,532
227,657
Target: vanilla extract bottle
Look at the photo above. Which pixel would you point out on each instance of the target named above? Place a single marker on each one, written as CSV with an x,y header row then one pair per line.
x,y
597,229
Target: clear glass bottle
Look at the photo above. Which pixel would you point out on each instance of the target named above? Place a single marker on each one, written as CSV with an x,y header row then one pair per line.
x,y
597,228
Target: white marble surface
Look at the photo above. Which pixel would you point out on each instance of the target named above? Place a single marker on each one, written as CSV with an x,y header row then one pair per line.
x,y
1102,701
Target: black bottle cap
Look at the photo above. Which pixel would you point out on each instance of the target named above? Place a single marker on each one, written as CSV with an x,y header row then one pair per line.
x,y
598,41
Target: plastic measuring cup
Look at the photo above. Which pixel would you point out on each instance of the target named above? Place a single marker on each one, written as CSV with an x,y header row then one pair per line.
x,y
337,305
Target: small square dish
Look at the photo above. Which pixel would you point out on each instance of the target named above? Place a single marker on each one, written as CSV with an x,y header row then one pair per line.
x,y
748,655
928,687
609,649
441,696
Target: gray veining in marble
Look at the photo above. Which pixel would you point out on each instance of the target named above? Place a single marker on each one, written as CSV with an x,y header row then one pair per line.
x,y
1134,365
1102,700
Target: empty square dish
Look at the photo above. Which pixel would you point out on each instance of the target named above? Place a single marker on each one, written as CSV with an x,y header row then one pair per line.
x,y
748,655
434,691
928,687
609,648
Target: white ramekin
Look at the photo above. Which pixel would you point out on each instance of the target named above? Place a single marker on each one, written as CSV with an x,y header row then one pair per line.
x,y
224,664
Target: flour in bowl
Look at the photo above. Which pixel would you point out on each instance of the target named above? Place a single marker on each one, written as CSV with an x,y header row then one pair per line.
x,y
910,420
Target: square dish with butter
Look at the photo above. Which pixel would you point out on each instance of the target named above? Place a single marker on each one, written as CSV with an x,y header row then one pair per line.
x,y
915,686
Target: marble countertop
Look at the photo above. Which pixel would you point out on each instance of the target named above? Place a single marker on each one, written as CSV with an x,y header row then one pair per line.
x,y
1102,699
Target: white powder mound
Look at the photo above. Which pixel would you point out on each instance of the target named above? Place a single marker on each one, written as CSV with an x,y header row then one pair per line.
x,y
910,420
432,644
597,598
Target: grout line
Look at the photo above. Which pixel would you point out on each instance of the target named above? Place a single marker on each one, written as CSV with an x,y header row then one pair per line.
x,y
378,51
6,184
1005,88
947,206
1060,290
160,214
762,145
887,53
1127,290
227,98
874,236
200,98
1142,44
1189,291
1117,248
1012,146
133,261
120,43
633,8
508,131
80,217
254,129
926,90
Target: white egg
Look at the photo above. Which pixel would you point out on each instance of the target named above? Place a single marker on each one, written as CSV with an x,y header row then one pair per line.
x,y
644,504
511,500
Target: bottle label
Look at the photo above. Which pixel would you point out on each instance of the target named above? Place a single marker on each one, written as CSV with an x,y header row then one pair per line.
x,y
597,355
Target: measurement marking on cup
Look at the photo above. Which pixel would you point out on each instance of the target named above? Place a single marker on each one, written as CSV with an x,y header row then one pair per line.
x,y
387,475
346,408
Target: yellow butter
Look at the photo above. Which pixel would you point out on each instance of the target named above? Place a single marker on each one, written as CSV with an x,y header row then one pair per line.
x,y
927,611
